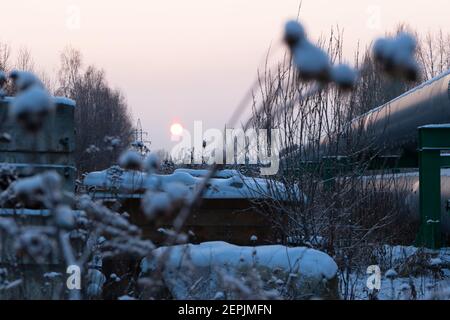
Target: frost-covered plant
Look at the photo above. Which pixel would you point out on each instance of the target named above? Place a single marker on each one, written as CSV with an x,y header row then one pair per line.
x,y
312,62
32,103
78,231
396,56
131,160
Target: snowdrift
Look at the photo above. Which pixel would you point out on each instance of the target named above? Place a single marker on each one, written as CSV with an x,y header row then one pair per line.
x,y
218,270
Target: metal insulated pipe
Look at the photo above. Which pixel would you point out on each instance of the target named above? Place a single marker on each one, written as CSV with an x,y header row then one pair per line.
x,y
408,184
394,124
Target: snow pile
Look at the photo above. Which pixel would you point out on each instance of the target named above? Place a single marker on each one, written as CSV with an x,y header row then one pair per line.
x,y
397,56
201,271
230,185
115,178
64,101
223,174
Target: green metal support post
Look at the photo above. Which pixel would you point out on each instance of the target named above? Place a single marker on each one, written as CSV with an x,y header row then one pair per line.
x,y
432,140
430,198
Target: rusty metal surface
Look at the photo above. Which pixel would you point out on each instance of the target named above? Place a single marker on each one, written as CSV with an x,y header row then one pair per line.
x,y
230,220
51,148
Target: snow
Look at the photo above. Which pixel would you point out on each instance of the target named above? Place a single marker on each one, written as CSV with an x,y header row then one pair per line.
x,y
307,262
178,192
224,174
64,101
294,33
34,243
430,281
152,163
435,262
218,270
344,76
391,274
5,137
219,296
312,62
53,275
8,226
64,217
436,126
130,160
24,80
36,189
234,186
397,55
156,203
397,50
31,105
92,149
24,212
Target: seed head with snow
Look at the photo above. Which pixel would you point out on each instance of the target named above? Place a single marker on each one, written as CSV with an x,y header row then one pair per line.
x,y
312,62
33,103
396,56
131,160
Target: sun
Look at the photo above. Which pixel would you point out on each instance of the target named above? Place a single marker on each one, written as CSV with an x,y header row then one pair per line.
x,y
176,129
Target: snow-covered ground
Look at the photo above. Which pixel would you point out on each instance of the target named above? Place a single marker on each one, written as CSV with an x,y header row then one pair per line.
x,y
407,273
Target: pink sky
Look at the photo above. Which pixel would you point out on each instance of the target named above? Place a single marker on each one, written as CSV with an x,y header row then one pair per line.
x,y
192,59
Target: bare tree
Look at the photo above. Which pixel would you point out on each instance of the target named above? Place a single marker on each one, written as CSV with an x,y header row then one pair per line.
x,y
102,115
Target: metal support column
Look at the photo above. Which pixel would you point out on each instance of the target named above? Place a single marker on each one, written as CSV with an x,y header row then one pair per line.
x,y
432,141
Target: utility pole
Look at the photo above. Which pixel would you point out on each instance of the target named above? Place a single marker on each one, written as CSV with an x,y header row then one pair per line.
x,y
141,142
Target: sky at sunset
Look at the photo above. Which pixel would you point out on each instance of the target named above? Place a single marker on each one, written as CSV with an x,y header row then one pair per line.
x,y
187,60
